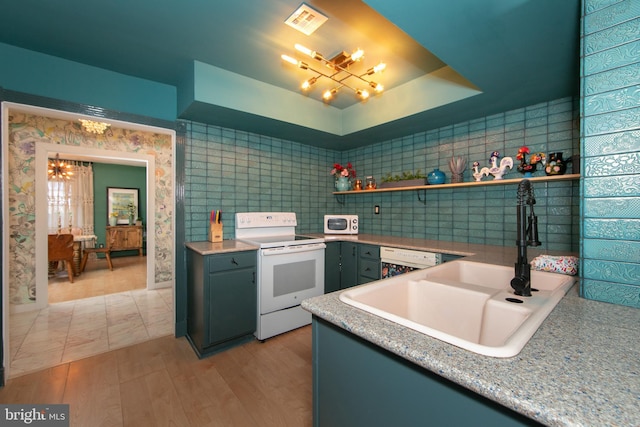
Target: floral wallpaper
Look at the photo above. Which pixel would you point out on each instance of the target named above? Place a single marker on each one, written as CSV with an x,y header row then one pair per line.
x,y
27,130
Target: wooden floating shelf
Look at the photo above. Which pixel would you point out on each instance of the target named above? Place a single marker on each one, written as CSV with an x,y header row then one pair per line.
x,y
568,177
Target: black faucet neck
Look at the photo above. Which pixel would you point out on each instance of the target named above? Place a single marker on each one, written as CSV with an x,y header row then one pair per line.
x,y
527,236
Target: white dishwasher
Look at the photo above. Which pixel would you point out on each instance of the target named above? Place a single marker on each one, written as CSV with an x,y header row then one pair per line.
x,y
395,261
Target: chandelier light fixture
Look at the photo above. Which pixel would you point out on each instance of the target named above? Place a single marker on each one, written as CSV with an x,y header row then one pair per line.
x,y
58,170
338,72
94,127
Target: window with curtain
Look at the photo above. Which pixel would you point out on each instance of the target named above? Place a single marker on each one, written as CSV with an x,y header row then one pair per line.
x,y
70,202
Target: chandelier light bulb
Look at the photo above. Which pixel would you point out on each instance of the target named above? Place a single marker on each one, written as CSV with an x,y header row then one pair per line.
x,y
376,86
328,94
380,67
304,50
289,59
357,55
308,83
309,52
362,93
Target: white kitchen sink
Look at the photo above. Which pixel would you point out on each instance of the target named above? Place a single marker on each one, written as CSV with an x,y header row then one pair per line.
x,y
468,304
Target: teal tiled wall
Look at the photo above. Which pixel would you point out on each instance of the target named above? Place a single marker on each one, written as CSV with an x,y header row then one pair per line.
x,y
237,171
484,214
610,109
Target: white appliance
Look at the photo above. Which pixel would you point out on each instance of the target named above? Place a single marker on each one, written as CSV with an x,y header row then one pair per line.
x,y
290,269
341,224
395,261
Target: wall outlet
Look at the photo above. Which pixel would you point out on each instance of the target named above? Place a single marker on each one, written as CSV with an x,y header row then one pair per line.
x,y
376,209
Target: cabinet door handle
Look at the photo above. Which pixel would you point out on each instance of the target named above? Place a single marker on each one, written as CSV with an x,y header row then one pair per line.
x,y
233,261
354,251
367,269
254,276
367,253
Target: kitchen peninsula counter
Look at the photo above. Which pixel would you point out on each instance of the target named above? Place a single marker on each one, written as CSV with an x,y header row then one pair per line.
x,y
582,366
503,255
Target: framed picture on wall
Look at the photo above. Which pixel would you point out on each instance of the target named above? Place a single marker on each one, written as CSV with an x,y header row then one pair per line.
x,y
121,202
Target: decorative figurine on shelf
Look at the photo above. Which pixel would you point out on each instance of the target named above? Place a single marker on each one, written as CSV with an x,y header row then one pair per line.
x,y
495,170
457,166
478,175
555,165
435,177
528,168
371,183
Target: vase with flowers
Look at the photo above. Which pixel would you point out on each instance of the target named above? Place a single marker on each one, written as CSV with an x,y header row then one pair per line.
x,y
131,209
528,168
343,176
113,219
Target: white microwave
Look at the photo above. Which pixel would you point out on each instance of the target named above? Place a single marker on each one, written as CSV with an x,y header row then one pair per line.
x,y
341,224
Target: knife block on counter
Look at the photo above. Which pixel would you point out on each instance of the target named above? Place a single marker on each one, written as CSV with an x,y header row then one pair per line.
x,y
215,232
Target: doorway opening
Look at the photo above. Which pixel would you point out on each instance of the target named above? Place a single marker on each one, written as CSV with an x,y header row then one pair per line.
x,y
159,276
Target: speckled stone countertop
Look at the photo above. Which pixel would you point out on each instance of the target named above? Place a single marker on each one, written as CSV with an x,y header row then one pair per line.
x,y
581,368
470,250
210,248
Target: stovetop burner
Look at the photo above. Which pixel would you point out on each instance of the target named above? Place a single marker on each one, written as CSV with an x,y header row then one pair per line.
x,y
270,229
275,241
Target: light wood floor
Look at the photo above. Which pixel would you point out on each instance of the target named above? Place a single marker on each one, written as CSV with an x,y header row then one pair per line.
x,y
129,273
162,382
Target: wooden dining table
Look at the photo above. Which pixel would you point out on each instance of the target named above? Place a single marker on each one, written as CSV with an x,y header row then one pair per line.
x,y
79,243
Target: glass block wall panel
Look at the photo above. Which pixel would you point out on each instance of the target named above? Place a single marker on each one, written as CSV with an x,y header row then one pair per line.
x,y
610,144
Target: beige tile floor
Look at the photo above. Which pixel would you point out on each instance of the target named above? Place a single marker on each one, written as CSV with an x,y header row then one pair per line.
x,y
109,318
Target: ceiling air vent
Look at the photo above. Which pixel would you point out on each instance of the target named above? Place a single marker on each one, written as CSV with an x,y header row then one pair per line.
x,y
305,19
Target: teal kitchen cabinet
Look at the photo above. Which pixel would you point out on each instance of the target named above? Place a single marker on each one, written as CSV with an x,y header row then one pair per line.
x,y
349,264
368,263
358,384
340,266
332,267
221,300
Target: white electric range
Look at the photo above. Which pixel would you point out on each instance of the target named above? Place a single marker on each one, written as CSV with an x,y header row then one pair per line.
x,y
290,269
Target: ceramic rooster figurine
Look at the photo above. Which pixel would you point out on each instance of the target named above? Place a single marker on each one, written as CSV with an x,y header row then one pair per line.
x,y
478,175
495,170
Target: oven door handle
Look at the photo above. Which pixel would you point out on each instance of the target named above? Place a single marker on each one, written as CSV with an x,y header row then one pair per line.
x,y
293,249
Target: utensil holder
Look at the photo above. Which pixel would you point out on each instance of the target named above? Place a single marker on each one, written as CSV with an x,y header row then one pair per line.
x,y
215,232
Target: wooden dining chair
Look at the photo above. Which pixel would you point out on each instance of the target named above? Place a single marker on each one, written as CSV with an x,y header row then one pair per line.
x,y
87,251
61,249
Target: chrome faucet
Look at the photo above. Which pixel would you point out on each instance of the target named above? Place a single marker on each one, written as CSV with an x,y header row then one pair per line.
x,y
527,236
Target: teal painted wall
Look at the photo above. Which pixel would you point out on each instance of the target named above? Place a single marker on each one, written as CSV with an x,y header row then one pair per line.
x,y
610,109
110,175
52,77
237,171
